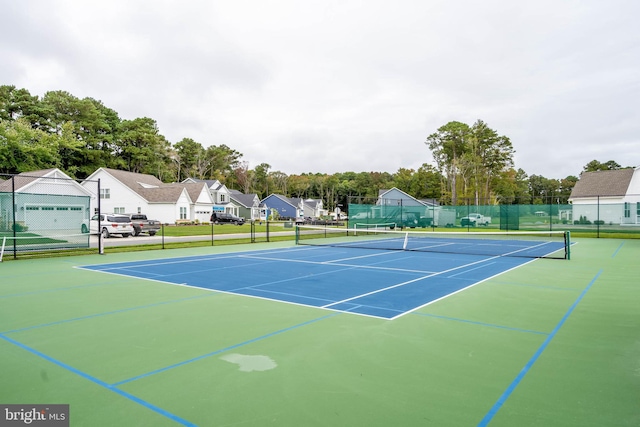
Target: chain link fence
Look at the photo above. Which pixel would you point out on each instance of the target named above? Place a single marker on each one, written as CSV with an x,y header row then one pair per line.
x,y
596,217
44,212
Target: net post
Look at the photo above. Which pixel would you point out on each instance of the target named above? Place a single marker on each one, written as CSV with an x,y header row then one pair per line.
x,y
568,244
297,235
4,240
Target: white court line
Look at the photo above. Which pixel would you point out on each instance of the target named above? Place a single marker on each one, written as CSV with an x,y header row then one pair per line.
x,y
180,260
409,281
338,264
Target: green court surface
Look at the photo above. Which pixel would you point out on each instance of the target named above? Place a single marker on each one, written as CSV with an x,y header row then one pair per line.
x,y
550,343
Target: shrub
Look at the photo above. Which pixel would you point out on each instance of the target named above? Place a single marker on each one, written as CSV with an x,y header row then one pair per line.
x,y
17,227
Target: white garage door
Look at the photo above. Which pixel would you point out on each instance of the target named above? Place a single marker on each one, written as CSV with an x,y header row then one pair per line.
x,y
59,217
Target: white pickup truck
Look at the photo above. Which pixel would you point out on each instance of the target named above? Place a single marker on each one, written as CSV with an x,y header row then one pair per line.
x,y
474,220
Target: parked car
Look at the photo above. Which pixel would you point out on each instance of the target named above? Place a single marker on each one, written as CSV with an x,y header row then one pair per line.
x,y
474,220
143,225
110,224
226,218
407,220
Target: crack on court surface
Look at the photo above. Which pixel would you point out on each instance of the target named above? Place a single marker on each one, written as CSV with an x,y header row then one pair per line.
x,y
248,363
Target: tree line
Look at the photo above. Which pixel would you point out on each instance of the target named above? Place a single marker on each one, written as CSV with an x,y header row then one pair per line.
x,y
474,164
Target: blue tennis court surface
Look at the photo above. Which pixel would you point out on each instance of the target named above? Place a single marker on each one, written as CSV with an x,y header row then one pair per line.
x,y
384,284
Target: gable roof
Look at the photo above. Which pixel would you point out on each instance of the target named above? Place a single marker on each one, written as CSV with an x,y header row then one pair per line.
x,y
194,190
246,200
312,203
213,184
603,183
148,187
384,192
24,180
152,189
282,198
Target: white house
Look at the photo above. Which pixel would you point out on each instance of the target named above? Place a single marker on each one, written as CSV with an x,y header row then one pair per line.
x,y
312,208
611,196
47,201
221,195
129,192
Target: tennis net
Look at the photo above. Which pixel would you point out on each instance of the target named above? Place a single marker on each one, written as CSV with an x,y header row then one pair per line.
x,y
33,243
534,244
375,226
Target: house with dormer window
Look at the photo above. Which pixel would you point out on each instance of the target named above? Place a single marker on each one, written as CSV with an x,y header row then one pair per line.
x,y
130,192
220,194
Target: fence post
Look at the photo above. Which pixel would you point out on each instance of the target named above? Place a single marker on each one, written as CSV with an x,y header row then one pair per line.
x,y
598,218
100,242
13,209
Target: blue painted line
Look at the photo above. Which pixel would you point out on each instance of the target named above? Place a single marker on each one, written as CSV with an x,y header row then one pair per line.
x,y
355,307
101,383
107,313
503,398
617,250
473,322
222,350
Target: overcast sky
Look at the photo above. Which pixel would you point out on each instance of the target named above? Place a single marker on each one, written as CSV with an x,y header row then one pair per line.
x,y
335,86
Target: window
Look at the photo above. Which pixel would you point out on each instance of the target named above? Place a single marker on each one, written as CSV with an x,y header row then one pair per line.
x,y
183,212
105,193
222,198
627,210
118,210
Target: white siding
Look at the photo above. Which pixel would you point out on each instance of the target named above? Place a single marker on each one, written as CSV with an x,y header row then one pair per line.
x,y
119,195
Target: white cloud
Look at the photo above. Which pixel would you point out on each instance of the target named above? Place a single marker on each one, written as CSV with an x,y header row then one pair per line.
x,y
331,86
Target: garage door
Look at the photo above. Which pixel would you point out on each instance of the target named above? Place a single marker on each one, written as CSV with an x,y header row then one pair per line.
x,y
58,217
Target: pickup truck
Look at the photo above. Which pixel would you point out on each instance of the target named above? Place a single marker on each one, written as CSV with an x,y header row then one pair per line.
x,y
143,225
474,220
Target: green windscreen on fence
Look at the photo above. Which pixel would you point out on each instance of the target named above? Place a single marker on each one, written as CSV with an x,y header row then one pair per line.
x,y
599,219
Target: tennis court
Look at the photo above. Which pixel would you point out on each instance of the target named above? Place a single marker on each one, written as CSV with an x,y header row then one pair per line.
x,y
380,283
279,334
